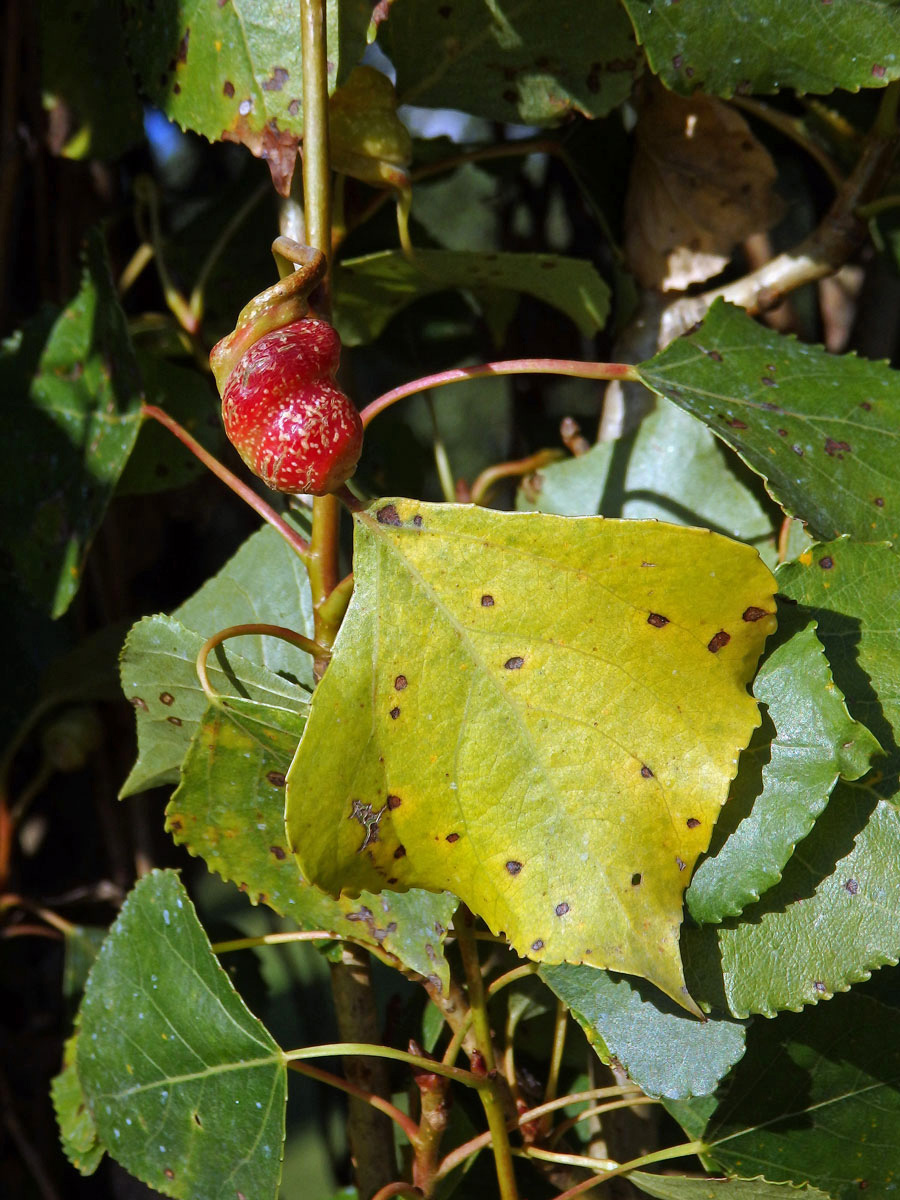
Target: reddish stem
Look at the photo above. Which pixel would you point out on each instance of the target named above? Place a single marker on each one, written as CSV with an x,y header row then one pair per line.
x,y
246,493
407,1124
512,366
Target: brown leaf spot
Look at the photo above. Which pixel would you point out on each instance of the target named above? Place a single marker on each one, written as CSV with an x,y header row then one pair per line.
x,y
137,702
166,698
228,89
417,521
174,720
277,80
878,70
562,909
487,601
515,663
836,449
276,778
768,381
878,501
714,355
175,825
718,640
169,1173
394,713
692,822
400,852
277,147
657,620
513,867
294,107
278,852
538,945
826,563
388,515
678,61
820,986
646,772
183,45
852,886
400,683
679,863
735,423
636,879
782,433
451,838
754,614
865,405
797,449
393,802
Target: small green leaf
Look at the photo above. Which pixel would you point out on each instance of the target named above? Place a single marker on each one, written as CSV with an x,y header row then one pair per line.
x,y
539,714
77,1131
82,943
806,742
670,468
759,46
822,430
664,1051
684,1187
159,679
849,588
185,1085
509,62
229,809
370,290
71,422
234,71
816,1098
829,923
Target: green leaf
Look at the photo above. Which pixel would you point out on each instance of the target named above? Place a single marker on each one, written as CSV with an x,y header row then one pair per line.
x,y
370,290
159,678
508,62
829,923
264,583
806,742
817,1098
229,809
664,1051
185,1085
670,468
540,714
77,1131
823,431
71,421
683,1187
762,46
86,85
160,462
849,588
234,71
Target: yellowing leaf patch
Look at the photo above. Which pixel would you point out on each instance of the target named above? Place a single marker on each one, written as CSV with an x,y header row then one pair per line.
x,y
540,714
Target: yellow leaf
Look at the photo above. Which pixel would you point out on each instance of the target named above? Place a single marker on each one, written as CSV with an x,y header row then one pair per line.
x,y
540,714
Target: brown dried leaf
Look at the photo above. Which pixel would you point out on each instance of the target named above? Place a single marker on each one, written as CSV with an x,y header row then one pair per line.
x,y
700,183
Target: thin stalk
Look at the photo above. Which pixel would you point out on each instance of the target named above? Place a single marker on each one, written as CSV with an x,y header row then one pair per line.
x,y
196,301
441,458
133,268
491,476
596,1110
273,939
489,1092
400,1188
514,366
250,630
560,1027
683,1151
373,1050
298,544
406,1123
568,1160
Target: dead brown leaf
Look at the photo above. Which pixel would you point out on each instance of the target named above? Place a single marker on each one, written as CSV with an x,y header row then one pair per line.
x,y
700,183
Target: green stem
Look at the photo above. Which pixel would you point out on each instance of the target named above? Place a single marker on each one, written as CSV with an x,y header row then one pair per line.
x,y
683,1151
274,939
595,1110
400,1188
560,1027
246,493
491,476
490,1094
514,366
251,630
372,1050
